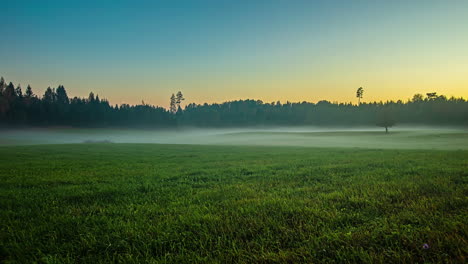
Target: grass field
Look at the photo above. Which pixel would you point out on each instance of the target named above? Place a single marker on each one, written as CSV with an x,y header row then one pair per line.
x,y
144,203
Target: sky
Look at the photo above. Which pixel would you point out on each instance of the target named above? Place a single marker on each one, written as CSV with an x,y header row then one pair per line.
x,y
220,50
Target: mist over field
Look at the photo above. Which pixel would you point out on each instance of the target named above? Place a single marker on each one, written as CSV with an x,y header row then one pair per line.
x,y
402,137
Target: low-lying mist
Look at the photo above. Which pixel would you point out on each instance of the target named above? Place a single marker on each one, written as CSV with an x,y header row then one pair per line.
x,y
404,137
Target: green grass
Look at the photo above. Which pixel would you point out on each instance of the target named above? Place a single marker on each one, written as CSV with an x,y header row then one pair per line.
x,y
134,203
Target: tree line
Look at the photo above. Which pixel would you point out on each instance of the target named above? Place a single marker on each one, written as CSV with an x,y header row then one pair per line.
x,y
56,108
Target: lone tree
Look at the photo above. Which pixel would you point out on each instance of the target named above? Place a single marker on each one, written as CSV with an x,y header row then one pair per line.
x,y
173,105
385,119
359,94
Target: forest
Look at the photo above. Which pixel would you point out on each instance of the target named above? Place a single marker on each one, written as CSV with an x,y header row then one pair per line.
x,y
56,108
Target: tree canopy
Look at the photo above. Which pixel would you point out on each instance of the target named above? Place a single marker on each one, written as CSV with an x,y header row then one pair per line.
x,y
385,119
55,108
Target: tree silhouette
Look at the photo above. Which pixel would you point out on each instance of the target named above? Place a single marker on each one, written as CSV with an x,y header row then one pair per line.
x,y
431,96
9,93
179,99
91,98
2,85
3,101
385,119
62,97
18,91
49,96
56,108
417,98
359,93
29,93
173,104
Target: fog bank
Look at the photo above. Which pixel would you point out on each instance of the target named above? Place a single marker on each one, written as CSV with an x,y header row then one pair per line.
x,y
361,137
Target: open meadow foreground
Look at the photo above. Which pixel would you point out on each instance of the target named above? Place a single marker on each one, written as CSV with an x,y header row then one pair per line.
x,y
207,131
160,203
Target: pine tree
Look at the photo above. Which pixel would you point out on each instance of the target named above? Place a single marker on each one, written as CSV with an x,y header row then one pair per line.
x,y
91,97
62,97
18,91
49,96
179,98
2,85
29,93
9,93
6,104
359,94
173,105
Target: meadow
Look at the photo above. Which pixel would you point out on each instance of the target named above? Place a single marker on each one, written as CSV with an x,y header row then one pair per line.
x,y
166,203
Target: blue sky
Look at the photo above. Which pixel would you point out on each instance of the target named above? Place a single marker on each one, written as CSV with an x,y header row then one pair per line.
x,y
128,51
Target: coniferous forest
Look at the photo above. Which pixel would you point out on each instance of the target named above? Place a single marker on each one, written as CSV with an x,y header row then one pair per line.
x,y
54,107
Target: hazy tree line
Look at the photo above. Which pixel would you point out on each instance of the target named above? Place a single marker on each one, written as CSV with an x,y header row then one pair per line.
x,y
55,108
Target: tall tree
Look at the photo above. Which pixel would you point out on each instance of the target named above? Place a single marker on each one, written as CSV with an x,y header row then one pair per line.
x,y
91,98
173,104
385,119
9,97
179,98
62,97
29,93
9,93
359,94
2,85
49,96
18,91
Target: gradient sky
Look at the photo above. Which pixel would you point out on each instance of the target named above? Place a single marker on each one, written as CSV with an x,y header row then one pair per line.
x,y
213,51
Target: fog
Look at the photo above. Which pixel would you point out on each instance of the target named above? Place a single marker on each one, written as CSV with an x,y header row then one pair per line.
x,y
401,137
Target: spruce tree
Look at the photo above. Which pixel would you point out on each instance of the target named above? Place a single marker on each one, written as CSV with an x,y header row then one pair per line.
x,y
179,98
29,93
173,105
2,85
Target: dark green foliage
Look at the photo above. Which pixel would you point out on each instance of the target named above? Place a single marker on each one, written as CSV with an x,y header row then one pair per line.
x,y
359,94
2,85
49,96
29,93
126,203
385,118
179,98
9,93
61,95
173,104
19,92
56,108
